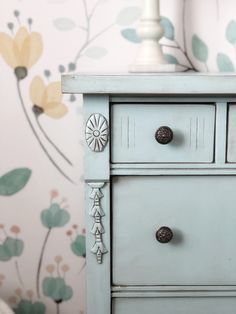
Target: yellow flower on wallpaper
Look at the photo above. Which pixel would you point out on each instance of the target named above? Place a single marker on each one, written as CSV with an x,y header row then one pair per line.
x,y
47,99
22,51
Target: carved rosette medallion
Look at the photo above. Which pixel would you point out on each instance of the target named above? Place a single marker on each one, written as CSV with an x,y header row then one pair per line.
x,y
97,213
96,132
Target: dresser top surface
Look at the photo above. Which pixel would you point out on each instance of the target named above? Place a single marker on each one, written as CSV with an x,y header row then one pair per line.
x,y
168,83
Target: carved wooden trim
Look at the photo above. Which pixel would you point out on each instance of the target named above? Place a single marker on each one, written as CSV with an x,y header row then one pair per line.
x,y
96,132
97,213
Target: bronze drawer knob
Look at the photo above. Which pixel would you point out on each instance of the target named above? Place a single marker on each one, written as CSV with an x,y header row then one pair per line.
x,y
164,235
164,135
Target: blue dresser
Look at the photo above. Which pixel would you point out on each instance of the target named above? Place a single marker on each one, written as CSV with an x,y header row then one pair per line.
x,y
160,176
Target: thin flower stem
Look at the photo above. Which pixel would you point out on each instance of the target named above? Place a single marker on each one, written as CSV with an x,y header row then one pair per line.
x,y
87,29
40,262
94,9
36,135
89,40
187,69
178,48
186,56
18,273
84,264
101,32
79,53
86,9
207,68
170,46
58,308
58,270
184,49
51,142
184,28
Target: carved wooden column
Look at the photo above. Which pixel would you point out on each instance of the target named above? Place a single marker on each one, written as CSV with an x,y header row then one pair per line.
x,y
97,213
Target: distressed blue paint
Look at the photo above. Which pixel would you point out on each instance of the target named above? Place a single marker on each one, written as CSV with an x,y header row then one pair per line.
x,y
147,185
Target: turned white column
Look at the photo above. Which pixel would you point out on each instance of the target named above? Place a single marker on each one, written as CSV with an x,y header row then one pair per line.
x,y
150,57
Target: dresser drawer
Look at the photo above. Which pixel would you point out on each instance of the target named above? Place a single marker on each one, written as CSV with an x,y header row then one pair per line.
x,y
193,305
231,154
190,132
200,211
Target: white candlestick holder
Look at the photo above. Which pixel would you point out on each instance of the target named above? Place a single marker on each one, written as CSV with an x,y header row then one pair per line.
x,y
150,57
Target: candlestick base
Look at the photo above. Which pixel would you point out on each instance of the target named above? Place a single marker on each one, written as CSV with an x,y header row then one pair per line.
x,y
155,68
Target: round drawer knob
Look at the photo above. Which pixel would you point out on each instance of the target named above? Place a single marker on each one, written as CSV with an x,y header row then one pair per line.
x,y
164,135
164,235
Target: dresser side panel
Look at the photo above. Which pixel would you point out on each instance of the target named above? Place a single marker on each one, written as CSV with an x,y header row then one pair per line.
x,y
97,203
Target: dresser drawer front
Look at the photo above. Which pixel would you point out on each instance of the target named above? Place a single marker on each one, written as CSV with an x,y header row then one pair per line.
x,y
231,154
193,305
200,211
134,128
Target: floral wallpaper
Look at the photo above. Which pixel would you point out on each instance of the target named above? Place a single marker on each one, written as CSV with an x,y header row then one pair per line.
x,y
42,230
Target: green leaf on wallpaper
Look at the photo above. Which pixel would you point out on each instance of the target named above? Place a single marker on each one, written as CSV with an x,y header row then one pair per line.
x,y
56,289
96,52
231,32
170,59
168,28
4,254
54,216
14,246
224,63
78,246
64,24
128,16
68,293
131,35
14,181
38,308
11,247
200,49
28,307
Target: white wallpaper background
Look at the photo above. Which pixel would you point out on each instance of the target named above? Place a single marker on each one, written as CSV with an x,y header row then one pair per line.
x,y
42,232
